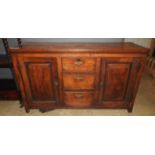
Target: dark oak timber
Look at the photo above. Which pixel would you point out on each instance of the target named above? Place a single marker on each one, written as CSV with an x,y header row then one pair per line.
x,y
78,75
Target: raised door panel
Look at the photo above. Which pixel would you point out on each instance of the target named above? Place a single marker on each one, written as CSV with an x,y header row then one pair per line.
x,y
40,81
117,81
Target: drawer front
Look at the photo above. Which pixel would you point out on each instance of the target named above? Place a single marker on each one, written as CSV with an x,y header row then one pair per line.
x,y
78,99
78,81
79,64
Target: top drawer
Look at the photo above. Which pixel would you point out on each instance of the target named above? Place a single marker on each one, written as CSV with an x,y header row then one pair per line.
x,y
79,64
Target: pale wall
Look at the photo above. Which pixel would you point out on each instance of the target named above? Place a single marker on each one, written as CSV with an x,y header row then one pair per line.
x,y
146,42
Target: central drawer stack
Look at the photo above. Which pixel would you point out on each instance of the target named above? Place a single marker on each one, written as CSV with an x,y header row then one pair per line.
x,y
79,81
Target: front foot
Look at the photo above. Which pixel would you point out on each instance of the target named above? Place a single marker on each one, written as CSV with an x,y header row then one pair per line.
x,y
45,110
21,105
130,110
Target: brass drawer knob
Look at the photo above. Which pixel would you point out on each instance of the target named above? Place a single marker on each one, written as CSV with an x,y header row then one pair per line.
x,y
78,62
78,77
79,96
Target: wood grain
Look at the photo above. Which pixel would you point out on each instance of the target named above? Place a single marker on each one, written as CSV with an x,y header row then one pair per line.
x,y
78,99
79,81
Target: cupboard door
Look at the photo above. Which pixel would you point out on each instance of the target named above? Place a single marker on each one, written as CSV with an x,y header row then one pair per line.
x,y
117,81
40,81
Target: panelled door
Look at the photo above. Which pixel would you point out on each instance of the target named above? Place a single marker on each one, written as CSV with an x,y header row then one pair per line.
x,y
118,77
40,80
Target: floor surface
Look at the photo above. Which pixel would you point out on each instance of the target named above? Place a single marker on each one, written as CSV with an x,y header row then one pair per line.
x,y
144,105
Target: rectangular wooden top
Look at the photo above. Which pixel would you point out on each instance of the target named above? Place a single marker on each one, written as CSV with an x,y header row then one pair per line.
x,y
82,47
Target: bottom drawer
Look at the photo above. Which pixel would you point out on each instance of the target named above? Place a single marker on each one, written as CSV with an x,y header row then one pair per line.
x,y
78,99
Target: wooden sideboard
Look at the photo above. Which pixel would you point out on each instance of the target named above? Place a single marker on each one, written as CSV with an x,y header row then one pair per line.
x,y
78,75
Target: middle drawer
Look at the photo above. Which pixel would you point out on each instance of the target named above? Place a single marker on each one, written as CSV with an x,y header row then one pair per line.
x,y
79,81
